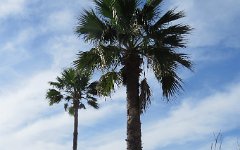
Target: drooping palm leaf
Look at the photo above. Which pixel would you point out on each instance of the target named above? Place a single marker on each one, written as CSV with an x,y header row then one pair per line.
x,y
71,111
93,103
171,84
145,95
54,96
88,61
92,88
107,83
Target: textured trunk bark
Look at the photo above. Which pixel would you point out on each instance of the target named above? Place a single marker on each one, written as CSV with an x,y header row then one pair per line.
x,y
75,132
133,112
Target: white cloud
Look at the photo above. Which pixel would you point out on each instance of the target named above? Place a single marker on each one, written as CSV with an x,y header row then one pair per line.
x,y
11,7
14,50
25,116
61,20
215,26
63,49
194,121
213,20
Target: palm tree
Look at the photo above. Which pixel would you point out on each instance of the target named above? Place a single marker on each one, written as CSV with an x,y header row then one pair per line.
x,y
130,37
73,88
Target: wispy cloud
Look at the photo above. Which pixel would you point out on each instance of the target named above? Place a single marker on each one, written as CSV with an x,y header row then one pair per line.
x,y
28,116
214,21
195,121
11,7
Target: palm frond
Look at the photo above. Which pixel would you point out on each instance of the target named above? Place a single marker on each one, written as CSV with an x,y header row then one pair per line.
x,y
54,96
164,67
65,106
145,95
175,41
104,8
90,26
107,83
92,88
101,57
171,84
93,103
168,17
81,82
71,111
124,10
176,30
150,9
88,61
81,106
56,84
167,57
68,77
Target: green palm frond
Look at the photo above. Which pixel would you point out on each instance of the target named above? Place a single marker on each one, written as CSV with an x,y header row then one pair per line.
x,y
165,72
71,110
101,57
54,96
81,82
167,57
92,88
150,9
172,36
90,26
168,17
107,83
176,30
68,77
171,84
104,8
93,103
175,41
145,95
58,85
124,10
88,61
81,106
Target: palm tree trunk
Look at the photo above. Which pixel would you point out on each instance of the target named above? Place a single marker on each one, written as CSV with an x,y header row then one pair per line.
x,y
75,132
133,108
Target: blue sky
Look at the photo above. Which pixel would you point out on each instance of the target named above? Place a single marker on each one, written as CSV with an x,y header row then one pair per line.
x,y
37,41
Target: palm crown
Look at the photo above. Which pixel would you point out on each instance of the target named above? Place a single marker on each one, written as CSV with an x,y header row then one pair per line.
x,y
72,86
122,28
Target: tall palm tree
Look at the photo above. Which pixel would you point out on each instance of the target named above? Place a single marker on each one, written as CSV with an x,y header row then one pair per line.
x,y
73,87
130,37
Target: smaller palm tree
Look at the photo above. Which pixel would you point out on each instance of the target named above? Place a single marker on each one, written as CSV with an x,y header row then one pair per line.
x,y
72,88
